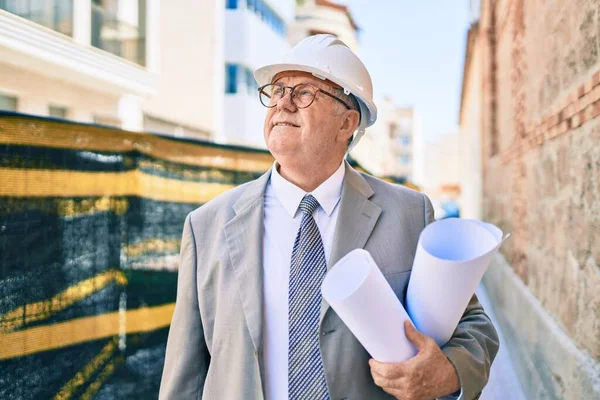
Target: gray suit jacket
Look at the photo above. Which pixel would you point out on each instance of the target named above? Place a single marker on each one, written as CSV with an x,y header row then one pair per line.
x,y
214,345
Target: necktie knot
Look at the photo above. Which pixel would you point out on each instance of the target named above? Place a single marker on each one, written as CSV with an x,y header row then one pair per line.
x,y
309,204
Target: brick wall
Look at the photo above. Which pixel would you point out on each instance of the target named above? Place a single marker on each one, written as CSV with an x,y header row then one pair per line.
x,y
541,152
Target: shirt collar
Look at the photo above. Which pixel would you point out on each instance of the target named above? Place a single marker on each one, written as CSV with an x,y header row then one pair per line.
x,y
328,193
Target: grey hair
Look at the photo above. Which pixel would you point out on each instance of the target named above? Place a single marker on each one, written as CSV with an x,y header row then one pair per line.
x,y
348,99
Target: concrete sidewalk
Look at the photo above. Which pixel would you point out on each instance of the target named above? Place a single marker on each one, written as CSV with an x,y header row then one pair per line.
x,y
504,383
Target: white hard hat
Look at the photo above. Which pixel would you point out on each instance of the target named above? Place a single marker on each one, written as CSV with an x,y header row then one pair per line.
x,y
327,57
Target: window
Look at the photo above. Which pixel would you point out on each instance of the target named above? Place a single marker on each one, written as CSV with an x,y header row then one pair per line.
x,y
119,27
405,140
239,79
57,111
231,78
8,102
251,82
262,11
54,14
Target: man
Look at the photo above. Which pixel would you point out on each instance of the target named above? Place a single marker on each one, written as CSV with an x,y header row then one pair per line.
x,y
249,321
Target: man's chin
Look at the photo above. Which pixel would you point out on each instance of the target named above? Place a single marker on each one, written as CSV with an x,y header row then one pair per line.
x,y
277,148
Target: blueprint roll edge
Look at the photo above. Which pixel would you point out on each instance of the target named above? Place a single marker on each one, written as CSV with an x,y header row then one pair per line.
x,y
452,256
361,296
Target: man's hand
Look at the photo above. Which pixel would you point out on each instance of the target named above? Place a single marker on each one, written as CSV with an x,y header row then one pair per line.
x,y
428,375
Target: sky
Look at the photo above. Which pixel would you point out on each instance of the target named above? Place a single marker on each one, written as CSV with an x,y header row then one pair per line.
x,y
414,50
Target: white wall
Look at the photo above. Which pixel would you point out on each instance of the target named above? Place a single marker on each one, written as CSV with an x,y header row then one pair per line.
x,y
418,150
470,134
36,92
404,118
442,166
42,67
82,21
286,9
252,43
188,79
373,152
377,151
244,120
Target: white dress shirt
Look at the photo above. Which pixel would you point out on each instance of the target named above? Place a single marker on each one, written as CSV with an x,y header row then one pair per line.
x,y
282,221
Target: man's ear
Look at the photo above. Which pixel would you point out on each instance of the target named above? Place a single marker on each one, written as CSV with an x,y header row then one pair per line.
x,y
349,125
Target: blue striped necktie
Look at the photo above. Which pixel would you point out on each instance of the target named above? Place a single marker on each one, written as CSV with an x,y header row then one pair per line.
x,y
306,376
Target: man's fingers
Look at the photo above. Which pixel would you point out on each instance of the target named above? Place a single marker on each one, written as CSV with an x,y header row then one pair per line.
x,y
417,338
387,383
387,370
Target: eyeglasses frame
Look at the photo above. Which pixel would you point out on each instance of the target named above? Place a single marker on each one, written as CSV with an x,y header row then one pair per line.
x,y
292,88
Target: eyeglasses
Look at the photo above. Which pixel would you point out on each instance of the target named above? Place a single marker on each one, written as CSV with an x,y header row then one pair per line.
x,y
303,94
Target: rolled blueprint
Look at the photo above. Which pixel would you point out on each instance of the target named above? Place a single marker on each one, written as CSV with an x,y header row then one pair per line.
x,y
359,293
452,256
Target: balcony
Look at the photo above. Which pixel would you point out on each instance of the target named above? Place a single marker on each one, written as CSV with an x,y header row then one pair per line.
x,y
34,36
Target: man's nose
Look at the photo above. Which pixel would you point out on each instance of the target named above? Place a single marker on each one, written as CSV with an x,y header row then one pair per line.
x,y
286,102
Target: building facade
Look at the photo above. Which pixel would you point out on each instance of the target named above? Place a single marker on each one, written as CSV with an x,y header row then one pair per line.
x,y
403,134
184,69
388,146
130,64
90,61
470,166
189,98
532,90
255,33
324,16
442,176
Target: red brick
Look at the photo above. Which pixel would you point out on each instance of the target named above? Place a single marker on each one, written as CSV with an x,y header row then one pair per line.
x,y
596,79
573,97
581,104
596,109
576,120
564,126
588,86
586,114
569,110
594,95
521,189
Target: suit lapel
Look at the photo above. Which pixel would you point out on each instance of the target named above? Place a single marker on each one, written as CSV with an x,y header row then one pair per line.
x,y
244,235
356,219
